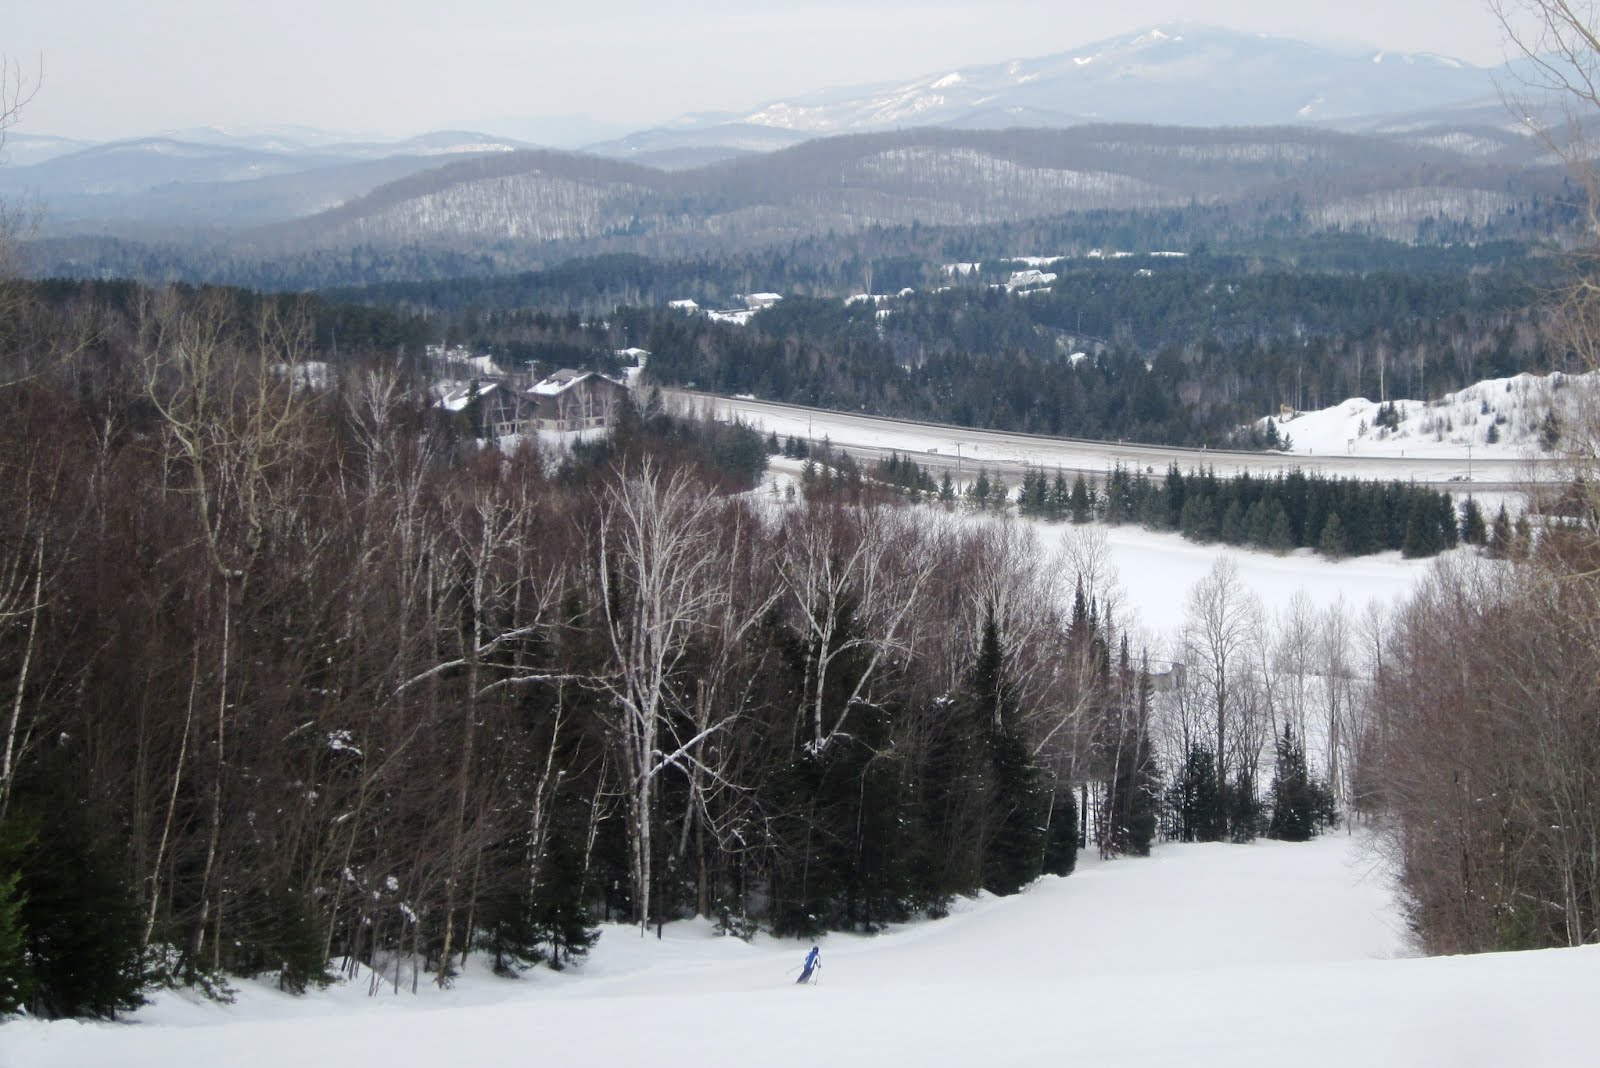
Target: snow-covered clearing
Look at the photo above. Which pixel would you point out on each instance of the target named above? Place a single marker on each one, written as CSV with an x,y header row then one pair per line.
x,y
1156,571
1515,407
1265,954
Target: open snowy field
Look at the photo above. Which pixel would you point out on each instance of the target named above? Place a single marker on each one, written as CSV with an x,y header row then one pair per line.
x,y
1156,571
1153,571
1266,954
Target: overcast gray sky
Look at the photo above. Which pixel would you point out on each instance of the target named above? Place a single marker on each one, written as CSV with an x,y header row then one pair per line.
x,y
115,68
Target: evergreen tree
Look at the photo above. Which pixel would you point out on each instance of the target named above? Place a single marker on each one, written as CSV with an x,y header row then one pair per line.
x,y
1061,831
285,938
1015,846
1060,497
533,900
1280,537
79,920
1232,530
978,492
1193,799
559,917
1422,537
1244,808
1332,542
1176,493
1502,539
1034,497
1522,537
1199,520
1444,516
1301,805
955,787
14,977
1078,502
1000,495
1474,531
1258,524
1549,432
947,490
1118,499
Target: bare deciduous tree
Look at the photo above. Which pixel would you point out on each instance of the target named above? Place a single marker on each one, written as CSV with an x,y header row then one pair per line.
x,y
839,564
658,579
1222,629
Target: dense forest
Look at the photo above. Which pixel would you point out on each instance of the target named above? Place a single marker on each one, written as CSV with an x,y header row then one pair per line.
x,y
307,682
1184,351
1336,517
595,276
300,681
1182,355
1188,350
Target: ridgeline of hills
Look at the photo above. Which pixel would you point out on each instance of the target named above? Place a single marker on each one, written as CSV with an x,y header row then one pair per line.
x,y
1181,74
1281,133
521,210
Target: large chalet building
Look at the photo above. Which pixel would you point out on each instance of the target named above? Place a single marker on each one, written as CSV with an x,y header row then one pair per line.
x,y
567,400
573,400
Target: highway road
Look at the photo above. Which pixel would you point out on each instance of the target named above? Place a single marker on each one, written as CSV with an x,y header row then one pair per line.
x,y
963,450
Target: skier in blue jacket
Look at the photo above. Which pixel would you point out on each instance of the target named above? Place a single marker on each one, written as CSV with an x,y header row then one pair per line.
x,y
813,962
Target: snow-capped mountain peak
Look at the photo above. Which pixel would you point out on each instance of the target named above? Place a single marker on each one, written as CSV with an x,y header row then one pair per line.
x,y
1180,74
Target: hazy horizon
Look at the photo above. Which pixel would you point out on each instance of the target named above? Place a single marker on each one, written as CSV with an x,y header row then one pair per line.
x,y
400,68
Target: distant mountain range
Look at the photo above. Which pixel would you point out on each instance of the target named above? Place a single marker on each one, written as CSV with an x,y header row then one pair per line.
x,y
1183,75
216,179
1380,141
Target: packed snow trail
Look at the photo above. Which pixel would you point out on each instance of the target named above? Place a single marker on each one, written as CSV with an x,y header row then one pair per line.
x,y
1231,955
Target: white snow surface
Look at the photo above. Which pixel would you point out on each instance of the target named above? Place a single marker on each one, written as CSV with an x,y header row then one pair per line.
x,y
1156,571
1516,407
1266,954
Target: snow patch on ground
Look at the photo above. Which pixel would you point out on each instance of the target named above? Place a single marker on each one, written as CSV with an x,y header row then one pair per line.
x,y
1516,407
1202,954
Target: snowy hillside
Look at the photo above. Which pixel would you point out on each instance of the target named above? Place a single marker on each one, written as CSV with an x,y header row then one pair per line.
x,y
1499,418
1178,73
1203,954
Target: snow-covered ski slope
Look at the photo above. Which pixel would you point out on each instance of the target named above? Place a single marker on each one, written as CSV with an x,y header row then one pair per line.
x,y
1267,954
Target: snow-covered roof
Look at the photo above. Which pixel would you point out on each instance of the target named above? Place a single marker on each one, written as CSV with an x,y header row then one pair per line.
x,y
559,382
683,305
564,380
1030,278
454,396
463,357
